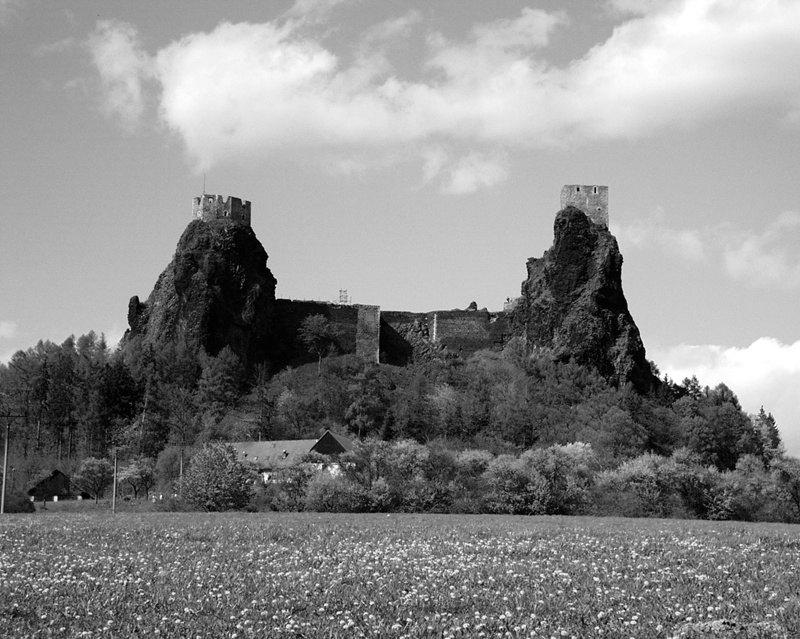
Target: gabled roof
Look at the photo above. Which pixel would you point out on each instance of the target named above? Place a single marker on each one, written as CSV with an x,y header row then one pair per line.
x,y
273,454
54,483
331,444
287,452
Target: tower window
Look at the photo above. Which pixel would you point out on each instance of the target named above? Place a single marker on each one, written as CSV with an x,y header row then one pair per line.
x,y
577,189
595,190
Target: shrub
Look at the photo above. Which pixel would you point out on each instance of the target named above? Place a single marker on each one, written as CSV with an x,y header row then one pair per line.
x,y
216,480
18,502
515,487
326,493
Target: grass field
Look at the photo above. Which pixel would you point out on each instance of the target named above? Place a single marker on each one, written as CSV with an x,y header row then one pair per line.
x,y
68,574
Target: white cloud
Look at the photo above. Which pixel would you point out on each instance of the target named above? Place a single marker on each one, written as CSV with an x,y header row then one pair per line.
x,y
686,244
312,11
435,159
245,91
766,373
765,260
638,7
8,329
390,31
8,8
122,66
476,170
114,335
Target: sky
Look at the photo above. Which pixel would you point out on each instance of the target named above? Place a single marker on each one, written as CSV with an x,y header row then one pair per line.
x,y
413,153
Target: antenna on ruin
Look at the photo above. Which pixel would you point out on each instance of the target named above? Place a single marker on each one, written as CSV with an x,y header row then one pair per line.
x,y
204,183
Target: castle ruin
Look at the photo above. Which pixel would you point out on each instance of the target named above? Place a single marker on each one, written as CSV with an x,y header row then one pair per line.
x,y
393,336
591,199
212,207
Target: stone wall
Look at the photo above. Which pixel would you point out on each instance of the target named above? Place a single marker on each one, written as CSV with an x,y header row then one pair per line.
x,y
455,332
464,332
357,329
368,332
213,207
592,199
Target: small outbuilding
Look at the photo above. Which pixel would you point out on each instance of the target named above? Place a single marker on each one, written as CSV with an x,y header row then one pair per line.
x,y
54,486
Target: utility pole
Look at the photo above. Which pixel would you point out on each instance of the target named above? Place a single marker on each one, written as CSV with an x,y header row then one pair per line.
x,y
114,486
5,468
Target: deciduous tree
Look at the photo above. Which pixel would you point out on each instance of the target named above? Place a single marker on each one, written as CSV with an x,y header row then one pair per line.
x,y
216,480
94,476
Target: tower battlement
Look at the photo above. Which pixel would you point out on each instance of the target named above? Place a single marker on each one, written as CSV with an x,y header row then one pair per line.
x,y
209,207
591,199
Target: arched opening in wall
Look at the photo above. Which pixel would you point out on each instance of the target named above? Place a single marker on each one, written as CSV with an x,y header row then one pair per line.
x,y
594,190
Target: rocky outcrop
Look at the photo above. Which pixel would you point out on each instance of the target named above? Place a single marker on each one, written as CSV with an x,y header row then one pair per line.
x,y
216,292
573,305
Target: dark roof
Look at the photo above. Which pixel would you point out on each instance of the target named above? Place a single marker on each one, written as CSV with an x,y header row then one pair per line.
x,y
273,454
55,483
332,444
287,452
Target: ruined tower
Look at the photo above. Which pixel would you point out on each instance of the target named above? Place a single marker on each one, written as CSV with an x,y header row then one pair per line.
x,y
212,207
591,199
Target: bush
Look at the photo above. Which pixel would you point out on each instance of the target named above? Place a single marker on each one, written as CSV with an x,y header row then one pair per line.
x,y
326,493
515,488
217,481
18,502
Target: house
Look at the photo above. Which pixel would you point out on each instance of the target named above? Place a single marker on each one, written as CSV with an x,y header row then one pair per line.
x,y
273,456
53,487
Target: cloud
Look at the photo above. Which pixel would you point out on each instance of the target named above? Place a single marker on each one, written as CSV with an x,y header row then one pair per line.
x,y
8,9
686,244
248,91
761,260
8,329
766,259
390,31
476,170
55,48
313,11
122,66
638,7
766,373
114,335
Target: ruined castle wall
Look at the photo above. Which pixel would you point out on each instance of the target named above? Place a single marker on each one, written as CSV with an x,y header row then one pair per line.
x,y
464,332
592,199
368,331
357,328
209,207
438,332
238,210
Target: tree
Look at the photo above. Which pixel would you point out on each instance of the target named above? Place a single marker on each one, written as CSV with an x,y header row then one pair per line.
x,y
220,383
786,475
319,336
216,480
767,433
94,476
139,475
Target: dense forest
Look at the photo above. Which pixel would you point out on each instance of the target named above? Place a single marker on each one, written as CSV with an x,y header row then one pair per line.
x,y
65,403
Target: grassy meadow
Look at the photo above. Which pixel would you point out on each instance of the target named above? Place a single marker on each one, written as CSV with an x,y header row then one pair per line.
x,y
94,574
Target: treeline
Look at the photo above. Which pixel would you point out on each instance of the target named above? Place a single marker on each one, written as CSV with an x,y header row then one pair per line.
x,y
77,400
406,476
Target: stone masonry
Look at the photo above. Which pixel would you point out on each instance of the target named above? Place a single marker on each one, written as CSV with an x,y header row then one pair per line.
x,y
209,207
592,199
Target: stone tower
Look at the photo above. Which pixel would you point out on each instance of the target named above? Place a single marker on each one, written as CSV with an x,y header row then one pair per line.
x,y
212,207
591,199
